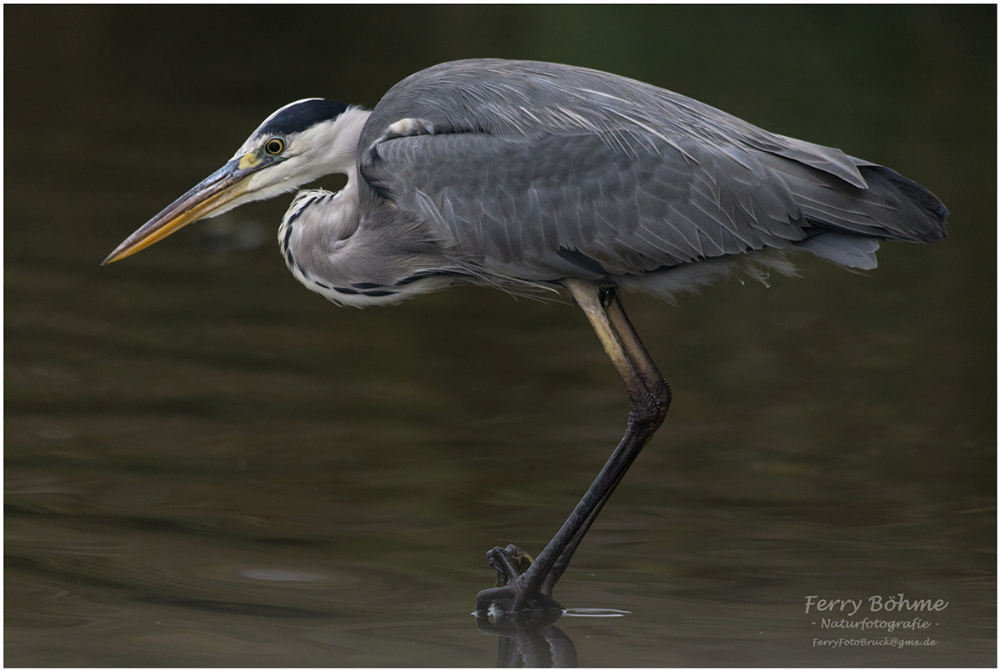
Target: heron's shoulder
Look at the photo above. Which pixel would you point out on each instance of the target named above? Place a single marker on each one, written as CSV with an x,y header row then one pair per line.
x,y
531,99
507,98
502,97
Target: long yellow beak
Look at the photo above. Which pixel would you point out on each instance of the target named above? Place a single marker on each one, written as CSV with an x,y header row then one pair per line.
x,y
219,188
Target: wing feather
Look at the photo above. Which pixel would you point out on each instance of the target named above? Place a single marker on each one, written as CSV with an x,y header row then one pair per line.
x,y
537,171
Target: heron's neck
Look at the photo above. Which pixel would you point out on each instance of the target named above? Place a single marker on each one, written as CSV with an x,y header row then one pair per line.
x,y
337,143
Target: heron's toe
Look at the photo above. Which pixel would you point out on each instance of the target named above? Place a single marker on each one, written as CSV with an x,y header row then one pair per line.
x,y
500,604
509,562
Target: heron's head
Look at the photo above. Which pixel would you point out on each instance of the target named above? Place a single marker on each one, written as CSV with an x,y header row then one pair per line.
x,y
296,145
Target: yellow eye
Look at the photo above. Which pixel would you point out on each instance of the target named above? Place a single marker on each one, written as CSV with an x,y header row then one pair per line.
x,y
274,146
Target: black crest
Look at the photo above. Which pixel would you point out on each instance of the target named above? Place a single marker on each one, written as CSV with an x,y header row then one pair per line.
x,y
301,115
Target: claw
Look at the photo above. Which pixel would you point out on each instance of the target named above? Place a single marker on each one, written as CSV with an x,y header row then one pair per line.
x,y
509,562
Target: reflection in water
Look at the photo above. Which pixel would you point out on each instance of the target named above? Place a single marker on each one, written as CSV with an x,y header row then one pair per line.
x,y
533,640
530,642
594,612
206,466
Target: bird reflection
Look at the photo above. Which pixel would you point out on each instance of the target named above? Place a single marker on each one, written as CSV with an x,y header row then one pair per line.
x,y
527,642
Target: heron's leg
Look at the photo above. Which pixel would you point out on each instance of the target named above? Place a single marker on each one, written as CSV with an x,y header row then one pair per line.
x,y
650,387
649,398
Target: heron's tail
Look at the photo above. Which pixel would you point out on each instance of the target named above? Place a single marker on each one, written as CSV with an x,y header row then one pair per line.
x,y
844,221
921,214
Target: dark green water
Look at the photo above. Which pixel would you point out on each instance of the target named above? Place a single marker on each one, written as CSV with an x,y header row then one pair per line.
x,y
207,465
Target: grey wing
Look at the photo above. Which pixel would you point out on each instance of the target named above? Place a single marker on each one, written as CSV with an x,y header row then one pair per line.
x,y
538,171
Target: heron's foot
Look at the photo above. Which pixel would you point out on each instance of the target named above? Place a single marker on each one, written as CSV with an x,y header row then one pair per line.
x,y
511,597
501,604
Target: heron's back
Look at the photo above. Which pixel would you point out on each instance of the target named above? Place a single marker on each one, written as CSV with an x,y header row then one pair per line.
x,y
535,171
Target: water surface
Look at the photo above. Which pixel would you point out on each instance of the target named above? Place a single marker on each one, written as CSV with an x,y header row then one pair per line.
x,y
207,465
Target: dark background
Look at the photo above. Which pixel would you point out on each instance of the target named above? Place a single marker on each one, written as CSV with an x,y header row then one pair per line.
x,y
205,464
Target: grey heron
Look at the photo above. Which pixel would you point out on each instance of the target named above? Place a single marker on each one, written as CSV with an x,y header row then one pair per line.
x,y
534,176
